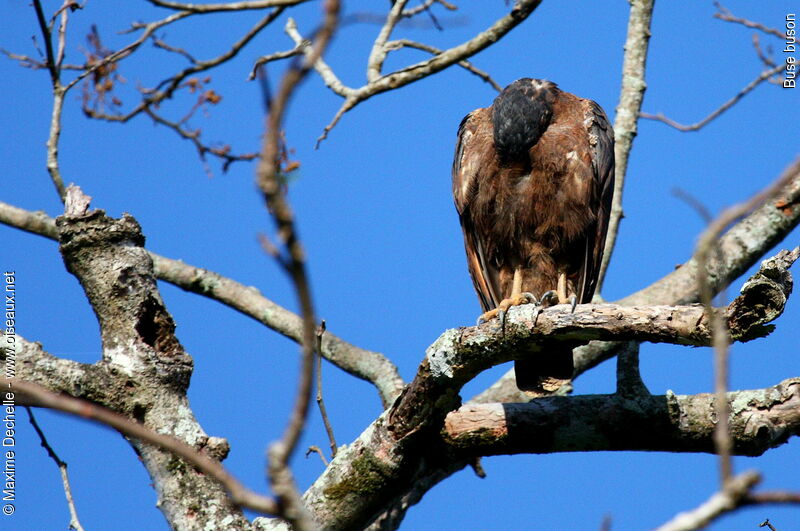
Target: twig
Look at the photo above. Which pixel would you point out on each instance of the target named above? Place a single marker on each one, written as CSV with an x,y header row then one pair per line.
x,y
378,83
52,65
31,394
774,496
366,17
766,523
122,53
768,61
27,61
264,59
223,153
166,88
270,181
728,499
763,76
425,6
400,43
158,43
74,522
231,6
722,437
318,451
626,122
58,95
379,49
320,401
725,14
365,364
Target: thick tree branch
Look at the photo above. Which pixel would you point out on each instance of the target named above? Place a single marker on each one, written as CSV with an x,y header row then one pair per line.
x,y
364,364
380,473
760,419
142,353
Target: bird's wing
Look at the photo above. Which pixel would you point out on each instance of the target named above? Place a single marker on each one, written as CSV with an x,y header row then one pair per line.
x,y
601,141
474,153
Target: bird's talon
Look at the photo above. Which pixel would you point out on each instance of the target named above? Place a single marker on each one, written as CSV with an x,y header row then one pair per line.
x,y
573,301
549,298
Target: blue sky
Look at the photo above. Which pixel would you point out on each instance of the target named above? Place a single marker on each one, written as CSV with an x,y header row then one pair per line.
x,y
384,244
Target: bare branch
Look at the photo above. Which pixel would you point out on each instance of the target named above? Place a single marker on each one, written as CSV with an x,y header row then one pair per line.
x,y
231,6
317,450
724,14
553,424
767,418
74,521
425,6
320,402
707,244
324,71
222,152
166,88
773,496
763,76
31,394
378,83
53,66
740,247
379,49
27,61
401,43
768,61
149,29
726,500
264,59
158,43
626,122
270,179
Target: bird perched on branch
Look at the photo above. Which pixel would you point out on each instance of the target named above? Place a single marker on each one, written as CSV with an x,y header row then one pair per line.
x,y
533,178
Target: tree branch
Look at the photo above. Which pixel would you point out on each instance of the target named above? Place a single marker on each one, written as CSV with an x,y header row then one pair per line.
x,y
271,180
74,521
230,6
382,83
763,76
760,419
725,14
729,498
141,353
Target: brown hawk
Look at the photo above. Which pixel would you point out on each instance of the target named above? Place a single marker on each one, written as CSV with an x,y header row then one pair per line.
x,y
533,178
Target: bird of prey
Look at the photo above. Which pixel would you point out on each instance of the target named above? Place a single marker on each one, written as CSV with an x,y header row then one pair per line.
x,y
533,178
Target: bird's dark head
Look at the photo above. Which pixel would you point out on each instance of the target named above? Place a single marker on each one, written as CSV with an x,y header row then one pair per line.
x,y
520,114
